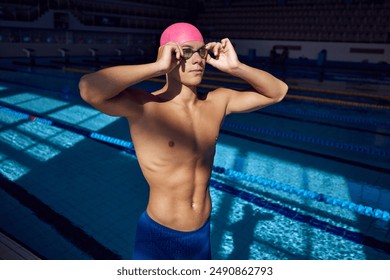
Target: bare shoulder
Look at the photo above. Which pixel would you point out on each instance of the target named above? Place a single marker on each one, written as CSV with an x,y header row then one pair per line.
x,y
217,98
137,95
129,103
219,94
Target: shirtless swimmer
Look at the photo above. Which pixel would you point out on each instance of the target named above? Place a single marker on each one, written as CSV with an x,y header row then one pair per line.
x,y
174,131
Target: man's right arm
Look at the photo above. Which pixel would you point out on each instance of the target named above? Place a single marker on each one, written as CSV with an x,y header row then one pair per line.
x,y
106,89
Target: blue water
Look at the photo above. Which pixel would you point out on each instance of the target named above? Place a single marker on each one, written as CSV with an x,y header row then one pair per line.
x,y
303,179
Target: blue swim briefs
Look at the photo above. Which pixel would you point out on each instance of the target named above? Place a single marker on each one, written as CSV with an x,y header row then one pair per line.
x,y
157,242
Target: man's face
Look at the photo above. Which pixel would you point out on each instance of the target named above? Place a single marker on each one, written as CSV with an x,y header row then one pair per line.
x,y
191,69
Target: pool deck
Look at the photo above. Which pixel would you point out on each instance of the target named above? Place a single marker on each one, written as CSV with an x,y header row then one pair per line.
x,y
11,250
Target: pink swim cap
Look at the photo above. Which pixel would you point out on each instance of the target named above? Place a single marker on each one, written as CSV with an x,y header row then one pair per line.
x,y
180,33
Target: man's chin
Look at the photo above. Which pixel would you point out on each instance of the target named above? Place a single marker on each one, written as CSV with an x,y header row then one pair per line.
x,y
193,83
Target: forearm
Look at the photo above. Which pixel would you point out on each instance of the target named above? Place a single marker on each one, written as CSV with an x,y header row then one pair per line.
x,y
109,82
263,82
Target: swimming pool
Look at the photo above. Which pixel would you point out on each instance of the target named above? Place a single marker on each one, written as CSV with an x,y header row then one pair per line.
x,y
304,179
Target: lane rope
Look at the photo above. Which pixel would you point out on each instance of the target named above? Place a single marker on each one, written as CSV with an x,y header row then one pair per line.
x,y
308,139
128,147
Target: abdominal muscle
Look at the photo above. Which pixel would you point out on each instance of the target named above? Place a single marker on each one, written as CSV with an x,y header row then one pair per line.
x,y
179,193
175,149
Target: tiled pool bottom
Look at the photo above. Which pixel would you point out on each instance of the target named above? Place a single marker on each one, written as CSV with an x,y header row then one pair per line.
x,y
245,231
266,229
84,204
67,221
295,226
261,229
84,197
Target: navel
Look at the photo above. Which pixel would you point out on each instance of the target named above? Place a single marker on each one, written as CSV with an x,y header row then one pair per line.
x,y
171,144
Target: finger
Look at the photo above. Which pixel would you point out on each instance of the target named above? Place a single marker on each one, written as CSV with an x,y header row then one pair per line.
x,y
178,53
180,50
174,49
225,41
210,45
216,49
210,60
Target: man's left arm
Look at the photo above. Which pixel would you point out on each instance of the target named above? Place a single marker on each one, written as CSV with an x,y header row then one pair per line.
x,y
267,89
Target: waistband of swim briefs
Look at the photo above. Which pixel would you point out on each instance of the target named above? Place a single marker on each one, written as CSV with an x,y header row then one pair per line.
x,y
171,230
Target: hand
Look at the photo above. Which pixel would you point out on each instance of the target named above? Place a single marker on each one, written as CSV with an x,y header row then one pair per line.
x,y
225,57
169,56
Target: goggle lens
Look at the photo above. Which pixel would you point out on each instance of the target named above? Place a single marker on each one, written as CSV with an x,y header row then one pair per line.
x,y
187,53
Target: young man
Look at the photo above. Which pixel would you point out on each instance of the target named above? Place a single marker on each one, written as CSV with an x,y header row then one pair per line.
x,y
175,130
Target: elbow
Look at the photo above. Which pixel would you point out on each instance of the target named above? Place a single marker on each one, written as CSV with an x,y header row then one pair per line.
x,y
283,88
85,90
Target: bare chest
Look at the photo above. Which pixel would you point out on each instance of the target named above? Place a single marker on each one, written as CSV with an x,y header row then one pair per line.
x,y
178,131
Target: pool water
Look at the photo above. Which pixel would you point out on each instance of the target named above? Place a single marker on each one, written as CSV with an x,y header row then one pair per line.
x,y
307,178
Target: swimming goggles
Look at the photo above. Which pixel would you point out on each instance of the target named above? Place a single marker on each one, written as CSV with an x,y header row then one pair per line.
x,y
187,52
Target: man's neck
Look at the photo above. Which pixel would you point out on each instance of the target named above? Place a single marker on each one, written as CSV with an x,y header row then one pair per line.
x,y
179,93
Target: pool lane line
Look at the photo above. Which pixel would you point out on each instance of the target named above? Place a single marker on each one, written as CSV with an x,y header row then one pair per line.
x,y
235,80
381,95
308,139
78,70
311,89
321,116
307,152
288,96
275,133
312,195
262,202
300,88
326,116
338,84
341,92
313,113
292,87
65,227
314,80
322,123
26,115
89,245
127,146
301,97
338,102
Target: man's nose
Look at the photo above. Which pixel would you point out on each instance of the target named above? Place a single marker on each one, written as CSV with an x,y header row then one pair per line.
x,y
196,57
